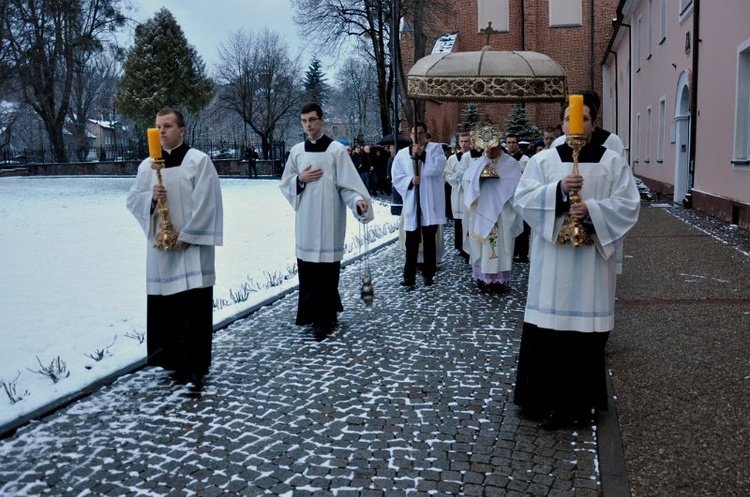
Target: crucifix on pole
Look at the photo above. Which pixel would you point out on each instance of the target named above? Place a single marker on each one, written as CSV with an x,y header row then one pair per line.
x,y
488,31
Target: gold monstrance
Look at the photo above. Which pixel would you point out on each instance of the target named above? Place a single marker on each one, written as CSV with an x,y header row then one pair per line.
x,y
572,231
166,237
487,136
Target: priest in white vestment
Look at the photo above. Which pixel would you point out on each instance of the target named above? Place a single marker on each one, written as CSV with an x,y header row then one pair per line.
x,y
180,281
321,182
571,291
491,221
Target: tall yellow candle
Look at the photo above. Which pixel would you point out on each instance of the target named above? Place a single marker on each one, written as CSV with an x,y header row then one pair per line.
x,y
575,116
154,144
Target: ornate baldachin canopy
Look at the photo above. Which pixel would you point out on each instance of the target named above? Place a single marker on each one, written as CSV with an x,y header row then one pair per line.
x,y
487,76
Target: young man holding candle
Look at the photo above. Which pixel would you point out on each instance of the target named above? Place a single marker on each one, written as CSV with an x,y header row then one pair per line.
x,y
321,182
179,281
571,290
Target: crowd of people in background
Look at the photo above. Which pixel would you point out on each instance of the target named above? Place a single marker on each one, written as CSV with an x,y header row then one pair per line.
x,y
372,163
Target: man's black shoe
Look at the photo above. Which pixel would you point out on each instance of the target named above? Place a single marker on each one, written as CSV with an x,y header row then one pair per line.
x,y
196,382
408,283
428,281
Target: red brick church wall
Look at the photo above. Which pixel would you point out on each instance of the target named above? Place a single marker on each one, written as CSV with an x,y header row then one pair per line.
x,y
569,46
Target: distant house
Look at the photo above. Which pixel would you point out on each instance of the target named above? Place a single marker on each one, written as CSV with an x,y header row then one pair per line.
x,y
676,88
102,136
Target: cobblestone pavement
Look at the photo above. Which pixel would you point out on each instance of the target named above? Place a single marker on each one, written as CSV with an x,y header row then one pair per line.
x,y
412,397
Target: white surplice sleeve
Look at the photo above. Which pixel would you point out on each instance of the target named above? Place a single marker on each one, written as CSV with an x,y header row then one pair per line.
x,y
205,224
288,183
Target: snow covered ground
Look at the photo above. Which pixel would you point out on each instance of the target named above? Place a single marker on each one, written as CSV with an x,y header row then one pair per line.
x,y
72,276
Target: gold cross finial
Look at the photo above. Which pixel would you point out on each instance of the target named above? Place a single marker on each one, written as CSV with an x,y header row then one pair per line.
x,y
488,31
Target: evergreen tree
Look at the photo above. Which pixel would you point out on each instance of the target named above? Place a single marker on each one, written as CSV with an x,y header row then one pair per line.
x,y
518,124
315,84
162,70
470,117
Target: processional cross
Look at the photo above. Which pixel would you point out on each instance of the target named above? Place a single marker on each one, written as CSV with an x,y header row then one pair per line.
x,y
488,31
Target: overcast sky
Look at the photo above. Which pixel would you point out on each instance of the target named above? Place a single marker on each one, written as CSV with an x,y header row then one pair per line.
x,y
207,24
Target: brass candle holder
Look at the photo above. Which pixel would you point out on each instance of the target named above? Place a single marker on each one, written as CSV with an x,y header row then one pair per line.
x,y
166,237
572,231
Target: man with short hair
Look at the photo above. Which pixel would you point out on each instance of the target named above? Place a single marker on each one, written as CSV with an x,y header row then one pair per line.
x,y
521,247
454,173
511,143
421,187
179,281
320,182
570,306
606,139
548,137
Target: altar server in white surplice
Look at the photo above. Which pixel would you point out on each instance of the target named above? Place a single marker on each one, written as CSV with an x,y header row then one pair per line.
x,y
423,192
454,176
321,182
180,281
491,221
570,307
608,140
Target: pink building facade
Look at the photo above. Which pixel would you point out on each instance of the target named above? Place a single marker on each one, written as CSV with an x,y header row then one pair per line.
x,y
676,88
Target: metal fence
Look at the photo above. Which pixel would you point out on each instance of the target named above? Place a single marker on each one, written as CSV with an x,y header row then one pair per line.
x,y
116,153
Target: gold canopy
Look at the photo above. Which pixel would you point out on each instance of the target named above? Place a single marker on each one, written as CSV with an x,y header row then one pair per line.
x,y
489,76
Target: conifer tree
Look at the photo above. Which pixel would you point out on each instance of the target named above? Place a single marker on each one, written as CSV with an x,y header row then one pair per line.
x,y
470,117
518,124
315,85
162,70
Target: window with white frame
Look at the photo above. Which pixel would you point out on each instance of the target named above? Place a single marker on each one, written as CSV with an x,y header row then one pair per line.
x,y
686,7
647,152
565,13
663,22
638,38
637,151
661,134
495,11
650,38
742,107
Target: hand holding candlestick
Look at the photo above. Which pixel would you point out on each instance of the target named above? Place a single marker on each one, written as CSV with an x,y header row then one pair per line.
x,y
166,237
572,231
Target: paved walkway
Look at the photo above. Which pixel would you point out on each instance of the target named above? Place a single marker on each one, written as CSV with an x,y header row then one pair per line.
x,y
680,356
413,397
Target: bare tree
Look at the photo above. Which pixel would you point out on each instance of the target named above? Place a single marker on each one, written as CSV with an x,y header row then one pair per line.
x,y
5,59
94,82
258,77
333,23
46,40
356,82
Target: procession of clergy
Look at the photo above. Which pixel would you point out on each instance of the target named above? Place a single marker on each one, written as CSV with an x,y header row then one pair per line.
x,y
561,374
583,183
480,179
